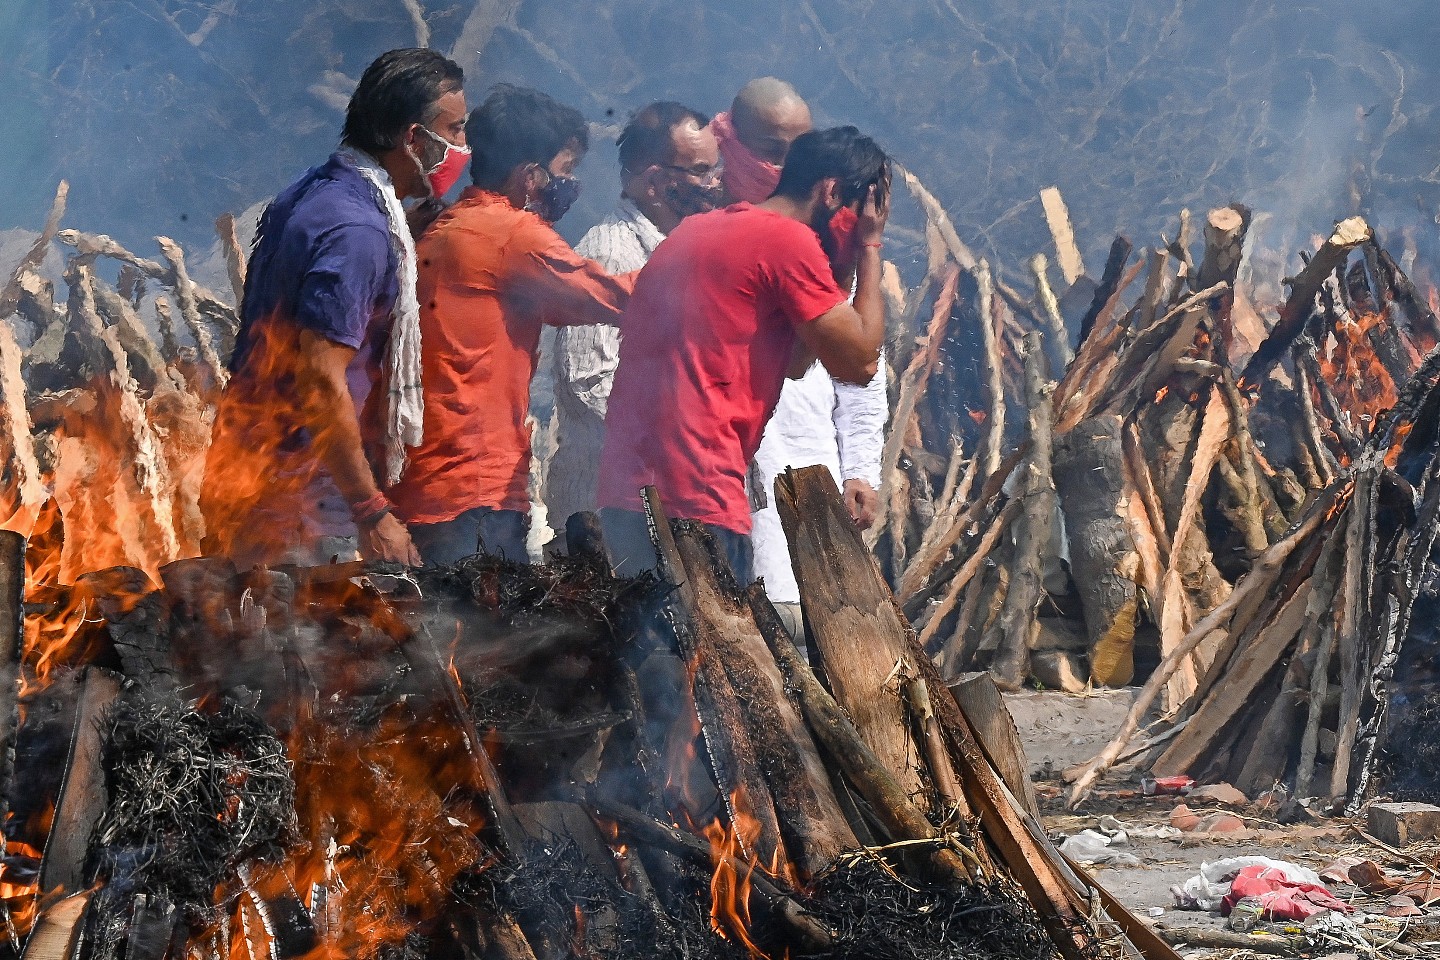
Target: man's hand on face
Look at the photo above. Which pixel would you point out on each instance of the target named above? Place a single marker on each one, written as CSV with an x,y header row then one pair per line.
x,y
863,503
387,539
873,214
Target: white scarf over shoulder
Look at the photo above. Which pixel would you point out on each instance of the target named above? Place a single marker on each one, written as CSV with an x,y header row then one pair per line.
x,y
404,399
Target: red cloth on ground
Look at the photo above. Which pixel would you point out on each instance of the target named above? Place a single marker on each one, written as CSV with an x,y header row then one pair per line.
x,y
746,177
708,337
1281,898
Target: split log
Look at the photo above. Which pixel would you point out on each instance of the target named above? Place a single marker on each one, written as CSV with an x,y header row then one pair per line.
x,y
860,634
974,562
27,484
1018,625
912,389
1242,679
1270,750
1090,477
936,215
147,365
994,384
927,735
1109,285
1154,295
940,534
1057,217
984,597
37,308
809,815
57,932
185,299
165,320
1348,235
982,702
1179,248
1352,649
914,604
1057,338
1421,318
1266,570
234,256
854,624
35,256
1250,508
892,806
82,793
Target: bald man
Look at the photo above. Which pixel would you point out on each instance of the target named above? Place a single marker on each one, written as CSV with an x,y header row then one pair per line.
x,y
755,135
817,421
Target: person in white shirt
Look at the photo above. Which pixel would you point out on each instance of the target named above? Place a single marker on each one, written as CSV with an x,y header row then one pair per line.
x,y
669,169
817,420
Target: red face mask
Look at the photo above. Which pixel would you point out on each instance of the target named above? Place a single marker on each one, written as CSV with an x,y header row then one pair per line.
x,y
445,173
746,176
844,238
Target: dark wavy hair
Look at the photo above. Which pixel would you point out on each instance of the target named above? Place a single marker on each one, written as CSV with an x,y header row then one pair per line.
x,y
516,126
400,88
840,152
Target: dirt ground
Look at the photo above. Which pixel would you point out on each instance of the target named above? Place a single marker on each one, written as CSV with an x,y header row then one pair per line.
x,y
1059,730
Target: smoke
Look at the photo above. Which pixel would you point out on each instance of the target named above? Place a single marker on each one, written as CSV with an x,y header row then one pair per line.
x,y
165,113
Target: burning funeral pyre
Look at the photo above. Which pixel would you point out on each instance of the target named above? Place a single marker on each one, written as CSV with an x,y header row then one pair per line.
x,y
512,761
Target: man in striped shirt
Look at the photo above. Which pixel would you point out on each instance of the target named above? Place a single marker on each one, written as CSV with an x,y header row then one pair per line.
x,y
669,168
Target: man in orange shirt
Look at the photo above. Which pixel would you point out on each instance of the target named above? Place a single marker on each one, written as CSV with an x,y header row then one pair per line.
x,y
492,272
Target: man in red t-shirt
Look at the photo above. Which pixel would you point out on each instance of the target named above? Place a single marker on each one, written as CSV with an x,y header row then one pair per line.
x,y
712,329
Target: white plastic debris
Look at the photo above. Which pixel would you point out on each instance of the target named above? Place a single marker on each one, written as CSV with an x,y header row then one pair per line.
x,y
1091,846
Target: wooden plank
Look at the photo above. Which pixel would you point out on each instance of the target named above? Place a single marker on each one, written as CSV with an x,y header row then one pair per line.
x,y
57,932
1057,217
995,731
82,793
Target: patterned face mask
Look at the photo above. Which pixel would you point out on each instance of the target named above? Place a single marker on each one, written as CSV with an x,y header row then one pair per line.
x,y
555,198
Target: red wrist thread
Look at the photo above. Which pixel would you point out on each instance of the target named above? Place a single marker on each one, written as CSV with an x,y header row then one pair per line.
x,y
370,509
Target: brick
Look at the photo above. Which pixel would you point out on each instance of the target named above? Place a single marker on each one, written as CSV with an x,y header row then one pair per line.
x,y
1399,824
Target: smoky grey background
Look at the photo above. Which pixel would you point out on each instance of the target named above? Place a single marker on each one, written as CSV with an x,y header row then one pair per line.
x,y
165,113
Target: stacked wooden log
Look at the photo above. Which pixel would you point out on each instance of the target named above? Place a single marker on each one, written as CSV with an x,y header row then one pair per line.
x,y
355,777
1215,495
101,422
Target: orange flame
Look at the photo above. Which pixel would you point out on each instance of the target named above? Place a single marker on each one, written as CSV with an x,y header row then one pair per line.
x,y
730,885
19,899
1361,384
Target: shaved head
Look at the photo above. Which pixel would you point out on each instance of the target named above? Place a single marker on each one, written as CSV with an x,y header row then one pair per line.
x,y
768,115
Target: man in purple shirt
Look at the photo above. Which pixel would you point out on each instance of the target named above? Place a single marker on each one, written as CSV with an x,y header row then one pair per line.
x,y
323,395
